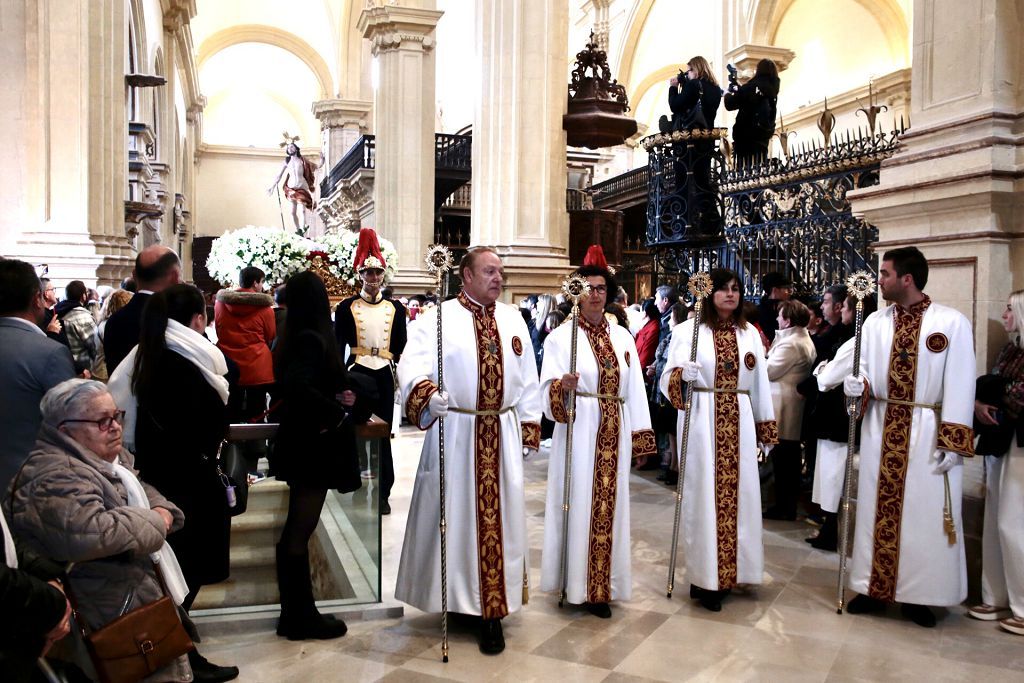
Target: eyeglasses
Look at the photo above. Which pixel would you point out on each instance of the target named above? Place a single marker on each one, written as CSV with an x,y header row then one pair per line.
x,y
104,423
600,289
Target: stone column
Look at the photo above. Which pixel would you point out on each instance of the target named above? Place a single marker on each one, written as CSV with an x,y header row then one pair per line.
x,y
745,58
955,188
402,39
62,202
519,163
342,122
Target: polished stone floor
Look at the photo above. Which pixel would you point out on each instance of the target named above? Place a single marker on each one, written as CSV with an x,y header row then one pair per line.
x,y
785,630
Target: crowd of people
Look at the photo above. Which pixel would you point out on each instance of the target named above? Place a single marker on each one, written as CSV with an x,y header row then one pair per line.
x,y
110,504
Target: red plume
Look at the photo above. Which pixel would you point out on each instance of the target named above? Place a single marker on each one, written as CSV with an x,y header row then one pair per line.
x,y
368,254
595,257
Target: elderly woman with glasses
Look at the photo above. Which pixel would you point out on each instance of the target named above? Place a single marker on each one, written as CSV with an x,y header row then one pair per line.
x,y
77,501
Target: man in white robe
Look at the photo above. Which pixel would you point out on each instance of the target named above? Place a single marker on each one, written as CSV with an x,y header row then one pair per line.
x,y
491,405
612,426
917,370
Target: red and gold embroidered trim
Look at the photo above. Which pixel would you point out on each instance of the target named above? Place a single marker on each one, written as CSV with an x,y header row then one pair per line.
x,y
727,453
767,432
895,453
644,443
606,464
417,402
956,437
490,396
531,434
557,401
677,389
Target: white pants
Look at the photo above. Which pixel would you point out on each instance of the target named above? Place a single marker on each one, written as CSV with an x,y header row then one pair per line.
x,y
829,474
1002,559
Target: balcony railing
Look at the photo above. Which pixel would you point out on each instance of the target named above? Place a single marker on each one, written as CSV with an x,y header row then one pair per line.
x,y
789,216
363,154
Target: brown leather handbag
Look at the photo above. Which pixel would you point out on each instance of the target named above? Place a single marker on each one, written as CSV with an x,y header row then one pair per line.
x,y
136,644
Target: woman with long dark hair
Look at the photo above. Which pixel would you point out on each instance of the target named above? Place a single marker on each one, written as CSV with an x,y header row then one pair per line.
x,y
174,391
731,416
315,448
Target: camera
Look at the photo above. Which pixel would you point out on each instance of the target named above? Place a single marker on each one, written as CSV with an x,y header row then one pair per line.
x,y
733,83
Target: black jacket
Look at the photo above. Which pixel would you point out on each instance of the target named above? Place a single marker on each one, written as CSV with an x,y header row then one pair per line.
x,y
122,331
31,608
825,414
177,433
682,102
315,445
745,102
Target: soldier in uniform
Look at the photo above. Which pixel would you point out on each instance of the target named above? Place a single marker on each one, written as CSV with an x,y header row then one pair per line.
x,y
373,327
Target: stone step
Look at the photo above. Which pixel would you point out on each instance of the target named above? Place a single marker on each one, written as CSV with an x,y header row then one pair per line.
x,y
249,585
256,529
268,494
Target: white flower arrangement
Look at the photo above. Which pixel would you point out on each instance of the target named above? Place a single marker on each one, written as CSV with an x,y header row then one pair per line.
x,y
341,247
277,253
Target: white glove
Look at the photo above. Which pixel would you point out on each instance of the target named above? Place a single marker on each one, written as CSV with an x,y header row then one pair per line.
x,y
437,405
766,448
691,370
853,386
947,461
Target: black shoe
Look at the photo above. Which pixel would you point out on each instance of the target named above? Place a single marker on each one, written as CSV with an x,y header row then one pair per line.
x,y
204,670
711,601
696,592
310,626
385,508
823,542
671,478
919,614
492,640
661,477
779,514
600,610
862,604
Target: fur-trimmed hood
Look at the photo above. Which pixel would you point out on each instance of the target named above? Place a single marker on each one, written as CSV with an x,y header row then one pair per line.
x,y
233,297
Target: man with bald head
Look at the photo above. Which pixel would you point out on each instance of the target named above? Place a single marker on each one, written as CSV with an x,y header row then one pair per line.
x,y
156,268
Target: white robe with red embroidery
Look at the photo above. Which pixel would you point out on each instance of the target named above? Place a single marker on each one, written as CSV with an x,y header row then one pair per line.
x,y
756,422
929,570
419,571
587,526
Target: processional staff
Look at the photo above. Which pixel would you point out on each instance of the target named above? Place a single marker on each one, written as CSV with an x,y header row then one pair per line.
x,y
700,287
439,263
860,284
575,288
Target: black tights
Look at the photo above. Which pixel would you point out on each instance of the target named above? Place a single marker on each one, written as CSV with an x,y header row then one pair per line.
x,y
304,506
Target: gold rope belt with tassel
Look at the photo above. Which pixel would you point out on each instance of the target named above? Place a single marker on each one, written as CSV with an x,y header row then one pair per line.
x,y
612,397
485,413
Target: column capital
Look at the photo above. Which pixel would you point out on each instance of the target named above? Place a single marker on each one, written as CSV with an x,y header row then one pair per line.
x,y
339,113
390,27
746,56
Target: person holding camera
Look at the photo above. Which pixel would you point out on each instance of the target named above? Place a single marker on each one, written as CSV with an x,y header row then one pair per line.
x,y
694,96
755,105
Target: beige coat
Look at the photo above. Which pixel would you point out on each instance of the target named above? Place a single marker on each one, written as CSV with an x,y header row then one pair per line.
x,y
790,360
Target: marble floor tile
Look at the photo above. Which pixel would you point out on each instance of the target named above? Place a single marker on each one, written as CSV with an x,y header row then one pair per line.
x,y
785,629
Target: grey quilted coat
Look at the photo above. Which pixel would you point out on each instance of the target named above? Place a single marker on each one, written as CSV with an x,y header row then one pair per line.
x,y
67,506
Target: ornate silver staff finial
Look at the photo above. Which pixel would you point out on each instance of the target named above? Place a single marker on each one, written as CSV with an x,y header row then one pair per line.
x,y
860,284
575,288
700,285
439,260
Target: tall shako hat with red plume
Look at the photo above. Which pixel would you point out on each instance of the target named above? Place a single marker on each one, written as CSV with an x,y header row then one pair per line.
x,y
368,254
595,257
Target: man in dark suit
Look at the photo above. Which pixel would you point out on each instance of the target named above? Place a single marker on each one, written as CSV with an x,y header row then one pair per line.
x,y
156,268
29,363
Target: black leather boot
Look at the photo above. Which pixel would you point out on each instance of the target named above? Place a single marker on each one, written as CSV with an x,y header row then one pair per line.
x,y
492,640
300,619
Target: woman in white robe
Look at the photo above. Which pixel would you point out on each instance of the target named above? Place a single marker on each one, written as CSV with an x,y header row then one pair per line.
x,y
731,415
612,425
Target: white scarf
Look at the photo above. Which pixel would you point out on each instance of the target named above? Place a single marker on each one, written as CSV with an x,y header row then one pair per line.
x,y
10,554
164,558
182,340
